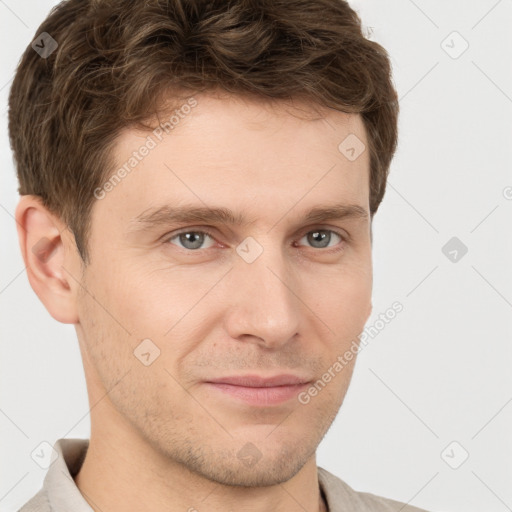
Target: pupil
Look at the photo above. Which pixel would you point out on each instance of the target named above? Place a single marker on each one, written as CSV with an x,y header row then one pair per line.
x,y
319,237
191,240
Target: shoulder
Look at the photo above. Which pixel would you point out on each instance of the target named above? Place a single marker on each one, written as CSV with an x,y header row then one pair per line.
x,y
340,496
38,503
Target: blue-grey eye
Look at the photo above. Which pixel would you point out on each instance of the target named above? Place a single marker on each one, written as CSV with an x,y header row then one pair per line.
x,y
320,239
192,239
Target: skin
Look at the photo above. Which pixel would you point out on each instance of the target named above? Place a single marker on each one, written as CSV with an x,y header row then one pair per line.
x,y
160,439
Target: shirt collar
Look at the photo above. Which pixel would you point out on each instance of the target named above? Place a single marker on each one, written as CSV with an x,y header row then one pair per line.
x,y
62,492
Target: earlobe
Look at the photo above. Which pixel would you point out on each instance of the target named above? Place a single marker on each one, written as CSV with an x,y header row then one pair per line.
x,y
46,252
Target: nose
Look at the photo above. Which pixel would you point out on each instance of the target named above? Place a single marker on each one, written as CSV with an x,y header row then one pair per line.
x,y
264,300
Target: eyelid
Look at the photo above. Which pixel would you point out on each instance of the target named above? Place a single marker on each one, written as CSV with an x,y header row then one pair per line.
x,y
340,232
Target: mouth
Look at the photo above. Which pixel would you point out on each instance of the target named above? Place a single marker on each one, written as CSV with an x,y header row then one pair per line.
x,y
260,391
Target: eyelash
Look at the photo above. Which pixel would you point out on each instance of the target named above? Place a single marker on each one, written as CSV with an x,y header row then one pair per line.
x,y
344,239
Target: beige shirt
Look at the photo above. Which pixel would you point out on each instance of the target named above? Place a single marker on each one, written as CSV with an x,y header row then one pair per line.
x,y
60,493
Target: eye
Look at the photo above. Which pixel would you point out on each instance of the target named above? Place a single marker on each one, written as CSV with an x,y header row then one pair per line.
x,y
322,238
191,240
194,240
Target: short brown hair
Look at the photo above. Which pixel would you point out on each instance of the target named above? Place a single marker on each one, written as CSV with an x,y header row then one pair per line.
x,y
115,60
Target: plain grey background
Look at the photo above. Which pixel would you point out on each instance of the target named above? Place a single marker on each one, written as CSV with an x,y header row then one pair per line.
x,y
434,386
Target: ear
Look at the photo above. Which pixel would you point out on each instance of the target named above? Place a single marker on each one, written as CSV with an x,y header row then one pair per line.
x,y
51,258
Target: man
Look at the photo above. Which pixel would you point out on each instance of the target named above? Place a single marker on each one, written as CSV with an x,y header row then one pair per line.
x,y
198,181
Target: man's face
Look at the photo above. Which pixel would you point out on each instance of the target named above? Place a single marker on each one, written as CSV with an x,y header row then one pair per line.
x,y
274,294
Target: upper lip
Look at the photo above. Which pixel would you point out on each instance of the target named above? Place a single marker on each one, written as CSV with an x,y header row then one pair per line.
x,y
256,381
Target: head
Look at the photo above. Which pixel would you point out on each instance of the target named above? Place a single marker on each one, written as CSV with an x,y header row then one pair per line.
x,y
198,182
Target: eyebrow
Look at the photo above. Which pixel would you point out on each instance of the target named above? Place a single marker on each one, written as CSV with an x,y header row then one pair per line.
x,y
166,215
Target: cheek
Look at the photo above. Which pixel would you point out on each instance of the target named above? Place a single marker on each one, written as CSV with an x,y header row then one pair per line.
x,y
112,338
106,342
344,301
111,317
160,295
144,303
169,307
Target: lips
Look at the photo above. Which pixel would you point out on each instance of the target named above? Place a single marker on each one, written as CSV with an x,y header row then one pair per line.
x,y
256,381
256,390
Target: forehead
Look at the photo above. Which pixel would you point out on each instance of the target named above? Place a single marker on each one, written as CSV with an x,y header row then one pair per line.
x,y
226,120
240,152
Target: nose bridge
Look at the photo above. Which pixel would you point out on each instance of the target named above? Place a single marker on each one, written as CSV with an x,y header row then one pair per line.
x,y
265,301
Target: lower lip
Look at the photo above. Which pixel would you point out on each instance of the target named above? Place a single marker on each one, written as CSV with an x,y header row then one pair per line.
x,y
260,396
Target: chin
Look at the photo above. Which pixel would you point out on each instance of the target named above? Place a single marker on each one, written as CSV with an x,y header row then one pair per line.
x,y
263,474
248,467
